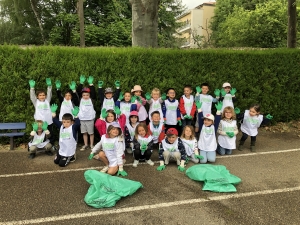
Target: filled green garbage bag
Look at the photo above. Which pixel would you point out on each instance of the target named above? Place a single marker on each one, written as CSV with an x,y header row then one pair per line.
x,y
106,190
216,178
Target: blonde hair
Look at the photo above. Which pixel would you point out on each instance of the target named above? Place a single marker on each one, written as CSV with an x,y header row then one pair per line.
x,y
229,108
40,123
143,125
155,90
192,137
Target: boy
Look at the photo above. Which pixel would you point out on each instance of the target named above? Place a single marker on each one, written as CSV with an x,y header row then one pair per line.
x,y
67,136
39,139
157,128
108,99
187,106
172,148
228,95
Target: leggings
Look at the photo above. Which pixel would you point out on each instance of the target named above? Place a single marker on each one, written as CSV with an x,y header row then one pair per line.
x,y
245,136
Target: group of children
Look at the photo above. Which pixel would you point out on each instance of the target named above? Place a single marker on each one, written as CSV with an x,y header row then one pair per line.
x,y
124,124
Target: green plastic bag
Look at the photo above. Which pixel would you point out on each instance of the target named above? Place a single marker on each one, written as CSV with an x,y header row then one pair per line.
x,y
216,178
106,190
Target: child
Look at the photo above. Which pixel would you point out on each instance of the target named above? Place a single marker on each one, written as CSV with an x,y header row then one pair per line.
x,y
67,136
228,95
190,143
187,106
206,99
69,100
251,121
108,99
171,111
125,105
157,128
111,153
130,130
39,139
140,101
41,102
227,132
208,126
86,112
172,148
154,100
142,145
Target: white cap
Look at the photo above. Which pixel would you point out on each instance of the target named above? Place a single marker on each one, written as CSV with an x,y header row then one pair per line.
x,y
226,85
209,116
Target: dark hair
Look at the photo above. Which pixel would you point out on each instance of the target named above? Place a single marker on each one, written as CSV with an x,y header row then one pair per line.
x,y
39,91
133,116
256,107
110,127
205,84
188,86
69,92
112,112
170,89
67,116
155,112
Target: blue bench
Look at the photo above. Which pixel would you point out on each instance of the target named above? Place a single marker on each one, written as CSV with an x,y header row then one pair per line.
x,y
12,130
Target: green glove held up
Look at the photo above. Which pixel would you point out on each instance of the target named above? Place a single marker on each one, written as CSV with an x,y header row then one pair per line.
x,y
198,104
117,110
103,113
72,86
53,108
35,126
48,82
100,83
233,91
122,173
219,106
223,92
57,84
121,96
91,156
160,168
198,89
75,111
117,83
181,169
82,79
217,92
148,96
164,96
133,98
31,83
199,157
90,80
237,110
269,117
45,125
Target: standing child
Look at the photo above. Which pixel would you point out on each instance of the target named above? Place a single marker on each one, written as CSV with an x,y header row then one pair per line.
x,y
155,100
140,101
157,128
187,106
227,132
111,153
142,145
190,143
227,95
251,121
208,126
172,148
125,105
108,99
130,130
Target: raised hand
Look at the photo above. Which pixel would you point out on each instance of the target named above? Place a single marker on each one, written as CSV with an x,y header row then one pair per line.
x,y
237,110
122,173
75,111
198,90
117,110
148,96
164,96
117,83
31,83
82,79
217,92
57,84
45,125
35,126
91,156
100,83
269,117
233,91
72,86
90,80
48,82
223,92
133,98
219,106
160,168
53,108
103,113
198,104
121,96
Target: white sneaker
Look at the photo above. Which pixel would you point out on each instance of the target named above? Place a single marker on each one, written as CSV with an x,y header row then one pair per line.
x,y
84,148
150,162
135,163
104,170
92,146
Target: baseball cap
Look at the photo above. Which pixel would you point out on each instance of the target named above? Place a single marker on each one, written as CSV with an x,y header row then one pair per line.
x,y
134,113
86,90
226,84
209,116
172,131
108,90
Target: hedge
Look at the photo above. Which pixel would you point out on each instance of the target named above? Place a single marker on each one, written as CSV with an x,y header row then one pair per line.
x,y
268,77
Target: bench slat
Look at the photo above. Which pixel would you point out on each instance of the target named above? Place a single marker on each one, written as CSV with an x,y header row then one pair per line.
x,y
12,134
12,126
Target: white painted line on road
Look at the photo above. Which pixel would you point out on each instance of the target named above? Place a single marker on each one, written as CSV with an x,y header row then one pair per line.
x,y
147,207
130,164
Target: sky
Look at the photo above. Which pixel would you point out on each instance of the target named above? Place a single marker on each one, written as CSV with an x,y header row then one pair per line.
x,y
193,3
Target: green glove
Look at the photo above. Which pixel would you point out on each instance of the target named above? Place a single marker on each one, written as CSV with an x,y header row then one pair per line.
x,y
143,147
139,99
45,125
181,168
117,110
148,96
91,156
75,111
57,84
122,173
199,157
198,89
100,83
186,117
82,79
103,113
179,123
230,134
117,83
217,92
223,92
133,98
53,108
190,117
48,82
269,117
198,104
90,79
187,159
160,168
35,126
121,96
237,110
233,91
219,106
164,96
72,86
165,121
31,83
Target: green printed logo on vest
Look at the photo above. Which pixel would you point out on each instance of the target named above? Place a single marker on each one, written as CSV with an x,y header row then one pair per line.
x,y
155,133
126,108
171,149
172,107
109,103
108,146
66,104
37,141
65,135
252,120
228,98
156,106
206,100
188,104
142,142
132,133
85,103
43,106
208,130
228,129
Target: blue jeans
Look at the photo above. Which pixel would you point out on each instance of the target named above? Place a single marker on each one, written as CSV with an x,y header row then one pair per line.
x,y
223,151
209,156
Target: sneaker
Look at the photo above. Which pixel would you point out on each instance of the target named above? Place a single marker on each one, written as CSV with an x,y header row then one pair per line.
x,y
252,148
73,159
54,149
92,146
135,163
150,162
49,153
31,156
129,150
85,147
240,148
104,170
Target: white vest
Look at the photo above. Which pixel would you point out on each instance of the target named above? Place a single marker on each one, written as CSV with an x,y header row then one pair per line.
x,y
206,103
43,112
189,145
110,146
142,113
86,110
67,143
156,106
251,123
125,109
227,101
38,140
188,104
131,130
170,147
108,104
225,141
171,112
66,107
155,131
207,140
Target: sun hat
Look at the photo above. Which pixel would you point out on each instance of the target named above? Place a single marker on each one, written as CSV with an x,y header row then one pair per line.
x,y
226,84
136,88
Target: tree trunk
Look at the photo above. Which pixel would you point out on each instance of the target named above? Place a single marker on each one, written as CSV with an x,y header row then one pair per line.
x,y
292,24
81,22
38,20
144,23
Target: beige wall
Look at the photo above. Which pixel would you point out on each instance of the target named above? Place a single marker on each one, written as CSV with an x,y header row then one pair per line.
x,y
208,14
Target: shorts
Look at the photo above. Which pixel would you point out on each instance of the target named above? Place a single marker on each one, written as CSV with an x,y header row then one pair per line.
x,y
87,126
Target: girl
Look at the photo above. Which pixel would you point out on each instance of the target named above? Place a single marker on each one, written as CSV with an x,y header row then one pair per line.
x,y
124,103
227,132
140,101
155,100
142,144
190,143
112,152
130,130
227,95
251,121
